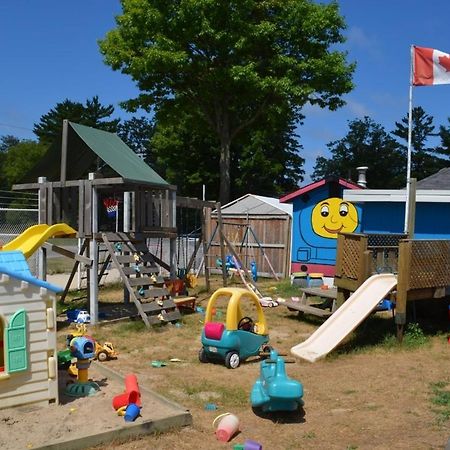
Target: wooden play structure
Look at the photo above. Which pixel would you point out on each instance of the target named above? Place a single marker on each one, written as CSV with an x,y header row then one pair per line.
x,y
422,268
145,208
28,363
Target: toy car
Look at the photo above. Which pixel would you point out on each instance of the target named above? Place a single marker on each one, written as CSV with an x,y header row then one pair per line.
x,y
104,352
274,390
83,317
240,337
267,301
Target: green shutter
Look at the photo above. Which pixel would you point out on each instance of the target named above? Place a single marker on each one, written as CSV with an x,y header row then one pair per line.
x,y
16,343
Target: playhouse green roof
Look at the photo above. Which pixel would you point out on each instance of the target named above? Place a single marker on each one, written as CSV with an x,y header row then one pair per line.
x,y
85,145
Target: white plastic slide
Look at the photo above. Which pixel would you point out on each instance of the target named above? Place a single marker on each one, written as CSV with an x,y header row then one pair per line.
x,y
346,318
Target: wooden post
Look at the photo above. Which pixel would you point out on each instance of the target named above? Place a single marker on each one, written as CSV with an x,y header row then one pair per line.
x,y
404,263
64,146
42,212
171,213
93,254
206,217
411,208
222,246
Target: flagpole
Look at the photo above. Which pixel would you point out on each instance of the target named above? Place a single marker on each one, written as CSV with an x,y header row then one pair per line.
x,y
408,165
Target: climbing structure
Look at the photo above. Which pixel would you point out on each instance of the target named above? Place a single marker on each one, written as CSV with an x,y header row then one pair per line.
x,y
139,272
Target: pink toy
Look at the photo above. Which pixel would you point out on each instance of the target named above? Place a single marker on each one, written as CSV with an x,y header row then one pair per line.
x,y
227,427
214,330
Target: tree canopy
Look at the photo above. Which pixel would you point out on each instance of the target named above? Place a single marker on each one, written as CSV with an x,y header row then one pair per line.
x,y
91,114
230,62
366,144
425,158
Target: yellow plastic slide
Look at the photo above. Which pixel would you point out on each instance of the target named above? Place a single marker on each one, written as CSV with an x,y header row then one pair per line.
x,y
32,238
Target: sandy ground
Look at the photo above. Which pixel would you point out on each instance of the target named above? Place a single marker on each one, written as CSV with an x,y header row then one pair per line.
x,y
360,398
31,427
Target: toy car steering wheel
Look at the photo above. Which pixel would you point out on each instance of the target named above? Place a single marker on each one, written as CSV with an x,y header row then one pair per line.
x,y
246,324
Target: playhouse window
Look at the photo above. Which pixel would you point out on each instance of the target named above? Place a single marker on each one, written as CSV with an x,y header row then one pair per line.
x,y
13,344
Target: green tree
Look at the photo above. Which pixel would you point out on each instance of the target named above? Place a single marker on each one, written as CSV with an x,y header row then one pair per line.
x,y
444,149
92,114
425,159
265,161
7,141
137,133
366,144
20,159
230,61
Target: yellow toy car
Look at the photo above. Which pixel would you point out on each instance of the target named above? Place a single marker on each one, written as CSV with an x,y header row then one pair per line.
x,y
240,337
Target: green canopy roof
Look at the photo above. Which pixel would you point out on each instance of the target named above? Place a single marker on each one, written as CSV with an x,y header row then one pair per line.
x,y
84,146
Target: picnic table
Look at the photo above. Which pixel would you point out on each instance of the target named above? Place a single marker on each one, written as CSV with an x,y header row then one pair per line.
x,y
324,307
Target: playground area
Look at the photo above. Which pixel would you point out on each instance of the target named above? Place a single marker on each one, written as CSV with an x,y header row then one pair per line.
x,y
369,393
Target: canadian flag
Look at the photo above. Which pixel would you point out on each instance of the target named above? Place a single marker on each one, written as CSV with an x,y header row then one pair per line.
x,y
430,66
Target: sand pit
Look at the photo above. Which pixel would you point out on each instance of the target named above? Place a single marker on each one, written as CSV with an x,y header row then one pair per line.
x,y
82,422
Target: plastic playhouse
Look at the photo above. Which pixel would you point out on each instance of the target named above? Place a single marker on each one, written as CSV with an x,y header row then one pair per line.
x,y
240,336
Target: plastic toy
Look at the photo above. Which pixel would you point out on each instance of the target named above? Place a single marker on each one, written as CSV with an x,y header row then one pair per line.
x,y
105,352
132,393
274,390
228,426
82,348
83,317
240,337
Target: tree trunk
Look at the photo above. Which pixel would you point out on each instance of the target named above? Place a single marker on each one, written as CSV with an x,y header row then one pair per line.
x,y
225,159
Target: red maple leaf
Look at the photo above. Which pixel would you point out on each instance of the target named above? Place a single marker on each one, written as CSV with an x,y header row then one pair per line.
x,y
444,61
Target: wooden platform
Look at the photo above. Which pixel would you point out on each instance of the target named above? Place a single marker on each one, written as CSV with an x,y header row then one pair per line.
x,y
183,303
321,309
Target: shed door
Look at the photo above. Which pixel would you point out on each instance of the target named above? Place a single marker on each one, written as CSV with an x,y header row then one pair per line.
x,y
16,343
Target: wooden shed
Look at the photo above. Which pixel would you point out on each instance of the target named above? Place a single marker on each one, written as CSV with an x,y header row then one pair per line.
x,y
259,228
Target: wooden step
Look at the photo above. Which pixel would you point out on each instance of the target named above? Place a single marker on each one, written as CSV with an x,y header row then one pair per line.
x,y
171,316
141,281
154,293
123,237
153,306
131,270
124,259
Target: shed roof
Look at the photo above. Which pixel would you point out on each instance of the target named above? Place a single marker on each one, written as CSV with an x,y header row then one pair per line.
x,y
317,184
84,146
438,181
256,205
13,264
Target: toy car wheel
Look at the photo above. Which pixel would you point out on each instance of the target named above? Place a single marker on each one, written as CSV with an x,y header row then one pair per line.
x,y
232,360
102,356
202,356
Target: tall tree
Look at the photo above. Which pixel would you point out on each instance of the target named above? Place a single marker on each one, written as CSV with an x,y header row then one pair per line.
x,y
137,133
7,141
92,114
265,161
443,150
366,144
230,60
425,159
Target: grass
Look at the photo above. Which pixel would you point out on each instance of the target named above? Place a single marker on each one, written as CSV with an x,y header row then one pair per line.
x,y
440,399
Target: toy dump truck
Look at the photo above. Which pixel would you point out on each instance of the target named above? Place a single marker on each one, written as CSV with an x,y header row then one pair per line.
x,y
104,352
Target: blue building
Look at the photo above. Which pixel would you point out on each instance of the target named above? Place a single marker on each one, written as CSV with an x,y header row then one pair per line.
x,y
319,214
383,210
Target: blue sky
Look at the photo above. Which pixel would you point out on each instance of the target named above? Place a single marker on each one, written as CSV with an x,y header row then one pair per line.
x,y
49,52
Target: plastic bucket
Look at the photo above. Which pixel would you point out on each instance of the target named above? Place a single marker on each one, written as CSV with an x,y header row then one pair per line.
x,y
132,412
227,427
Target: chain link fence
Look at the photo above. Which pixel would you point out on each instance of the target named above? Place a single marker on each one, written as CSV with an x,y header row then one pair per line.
x,y
18,211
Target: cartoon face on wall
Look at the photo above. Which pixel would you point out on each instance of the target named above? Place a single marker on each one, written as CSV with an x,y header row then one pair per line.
x,y
332,216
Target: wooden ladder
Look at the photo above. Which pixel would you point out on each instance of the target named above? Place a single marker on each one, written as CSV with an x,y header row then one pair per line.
x,y
138,270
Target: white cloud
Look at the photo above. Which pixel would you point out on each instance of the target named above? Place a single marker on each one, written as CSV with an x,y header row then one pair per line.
x,y
359,39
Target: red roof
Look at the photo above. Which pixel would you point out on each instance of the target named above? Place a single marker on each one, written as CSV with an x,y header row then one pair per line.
x,y
317,184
